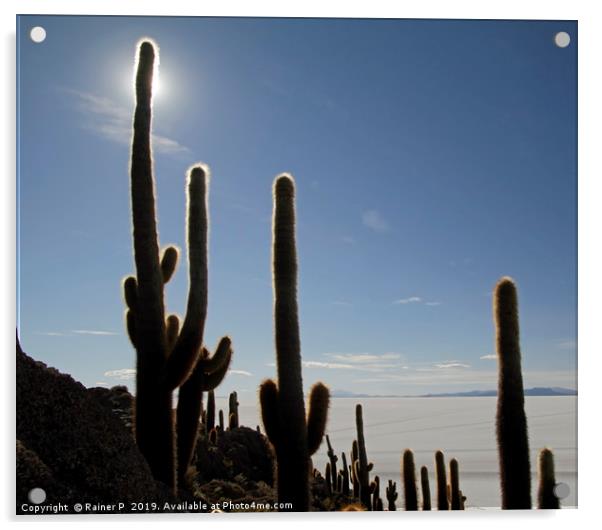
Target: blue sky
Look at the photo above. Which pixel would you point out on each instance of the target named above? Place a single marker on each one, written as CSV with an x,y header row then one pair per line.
x,y
431,158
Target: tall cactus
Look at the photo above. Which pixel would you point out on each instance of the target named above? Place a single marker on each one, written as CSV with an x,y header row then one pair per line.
x,y
512,436
441,475
426,488
353,470
165,355
294,436
408,472
546,498
362,467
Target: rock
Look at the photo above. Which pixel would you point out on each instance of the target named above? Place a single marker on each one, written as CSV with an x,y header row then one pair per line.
x,y
71,439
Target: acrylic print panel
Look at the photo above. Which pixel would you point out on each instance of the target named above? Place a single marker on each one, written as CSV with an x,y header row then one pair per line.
x,y
364,213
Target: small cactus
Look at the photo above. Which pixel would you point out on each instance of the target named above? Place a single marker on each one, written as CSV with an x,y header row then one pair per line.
x,y
328,479
391,496
210,417
546,498
441,475
294,436
233,411
333,462
426,489
455,496
344,473
376,500
511,421
408,472
221,420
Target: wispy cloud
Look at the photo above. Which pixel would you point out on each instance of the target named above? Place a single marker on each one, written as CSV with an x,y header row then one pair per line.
x,y
113,122
122,374
343,303
489,357
374,220
73,332
240,372
443,366
432,303
348,239
410,300
93,332
330,366
362,358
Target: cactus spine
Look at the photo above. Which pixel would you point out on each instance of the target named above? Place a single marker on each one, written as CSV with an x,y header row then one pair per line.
x,y
408,471
454,485
391,496
294,437
511,421
441,475
165,355
546,498
426,488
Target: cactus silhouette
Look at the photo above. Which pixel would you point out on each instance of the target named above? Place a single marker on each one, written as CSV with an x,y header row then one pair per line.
x,y
546,498
328,479
210,420
206,376
391,496
441,475
233,411
362,467
408,472
165,354
353,470
294,436
221,420
376,500
344,472
333,462
511,421
455,496
426,488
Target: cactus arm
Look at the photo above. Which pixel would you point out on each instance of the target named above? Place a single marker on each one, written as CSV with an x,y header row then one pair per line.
x,y
130,322
185,353
169,262
454,485
130,292
319,399
219,358
213,379
511,421
268,398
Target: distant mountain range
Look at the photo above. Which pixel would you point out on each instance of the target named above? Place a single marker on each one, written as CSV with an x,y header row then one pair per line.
x,y
535,391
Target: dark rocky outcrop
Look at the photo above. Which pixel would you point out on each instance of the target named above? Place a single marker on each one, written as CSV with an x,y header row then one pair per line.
x,y
67,437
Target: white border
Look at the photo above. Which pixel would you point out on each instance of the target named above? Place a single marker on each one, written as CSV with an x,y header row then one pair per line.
x,y
590,263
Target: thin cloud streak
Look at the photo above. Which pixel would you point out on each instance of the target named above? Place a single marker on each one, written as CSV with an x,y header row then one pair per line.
x,y
123,374
115,123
